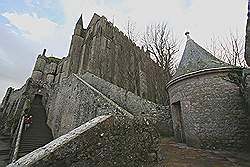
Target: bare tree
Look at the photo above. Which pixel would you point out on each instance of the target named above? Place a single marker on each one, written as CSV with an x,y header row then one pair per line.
x,y
162,44
130,30
229,49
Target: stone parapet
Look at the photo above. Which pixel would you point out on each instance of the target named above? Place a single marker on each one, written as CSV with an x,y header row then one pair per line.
x,y
103,141
134,104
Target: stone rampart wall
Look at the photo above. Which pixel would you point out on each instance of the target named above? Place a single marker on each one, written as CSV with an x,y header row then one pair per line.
x,y
74,103
133,103
110,55
103,141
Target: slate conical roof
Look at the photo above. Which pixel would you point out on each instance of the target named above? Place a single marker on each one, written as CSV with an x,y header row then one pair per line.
x,y
196,58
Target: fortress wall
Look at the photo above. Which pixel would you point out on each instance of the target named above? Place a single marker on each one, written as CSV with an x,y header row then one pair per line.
x,y
12,110
59,70
110,55
136,105
246,75
103,141
45,69
6,98
212,110
73,104
75,53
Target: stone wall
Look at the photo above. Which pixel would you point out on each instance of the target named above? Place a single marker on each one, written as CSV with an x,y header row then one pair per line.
x,y
6,98
246,86
11,110
212,111
103,141
45,69
13,103
109,54
133,103
106,52
73,103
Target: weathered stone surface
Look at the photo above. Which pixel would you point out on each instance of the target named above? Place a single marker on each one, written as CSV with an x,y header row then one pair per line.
x,y
213,112
103,141
65,67
75,103
6,98
50,68
57,79
40,63
11,111
37,75
134,104
110,55
246,87
50,78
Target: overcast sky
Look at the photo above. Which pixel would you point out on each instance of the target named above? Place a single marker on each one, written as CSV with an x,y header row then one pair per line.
x,y
28,26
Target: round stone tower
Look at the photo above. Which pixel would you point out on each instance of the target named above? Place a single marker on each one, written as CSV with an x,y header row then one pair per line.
x,y
207,106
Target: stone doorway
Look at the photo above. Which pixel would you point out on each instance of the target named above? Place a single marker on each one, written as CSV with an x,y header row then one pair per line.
x,y
178,123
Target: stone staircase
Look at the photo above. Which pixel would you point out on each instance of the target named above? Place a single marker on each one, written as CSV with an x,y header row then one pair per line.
x,y
4,149
38,134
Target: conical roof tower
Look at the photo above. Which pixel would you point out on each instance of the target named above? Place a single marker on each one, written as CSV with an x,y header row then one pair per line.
x,y
196,58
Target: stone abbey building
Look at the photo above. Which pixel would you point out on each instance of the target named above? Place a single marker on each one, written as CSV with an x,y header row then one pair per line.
x,y
106,52
107,103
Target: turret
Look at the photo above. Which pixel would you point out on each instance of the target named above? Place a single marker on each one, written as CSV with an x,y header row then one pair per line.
x,y
76,47
79,27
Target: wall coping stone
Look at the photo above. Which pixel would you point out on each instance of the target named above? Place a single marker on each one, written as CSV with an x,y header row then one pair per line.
x,y
202,72
123,111
43,152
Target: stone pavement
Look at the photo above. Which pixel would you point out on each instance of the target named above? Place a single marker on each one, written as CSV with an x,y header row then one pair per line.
x,y
179,155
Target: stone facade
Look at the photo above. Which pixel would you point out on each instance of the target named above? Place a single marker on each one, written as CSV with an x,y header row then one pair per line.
x,y
105,74
106,52
103,141
246,87
159,114
210,118
45,69
74,103
208,102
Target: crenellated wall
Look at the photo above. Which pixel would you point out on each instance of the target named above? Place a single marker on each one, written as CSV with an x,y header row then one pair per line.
x,y
109,54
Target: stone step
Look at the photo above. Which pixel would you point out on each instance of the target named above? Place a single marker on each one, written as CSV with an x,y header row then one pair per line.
x,y
38,134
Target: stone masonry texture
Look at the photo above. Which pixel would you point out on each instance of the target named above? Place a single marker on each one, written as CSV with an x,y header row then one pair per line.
x,y
134,104
212,118
107,53
73,104
103,141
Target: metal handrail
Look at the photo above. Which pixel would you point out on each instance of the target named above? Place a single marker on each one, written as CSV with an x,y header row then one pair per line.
x,y
17,143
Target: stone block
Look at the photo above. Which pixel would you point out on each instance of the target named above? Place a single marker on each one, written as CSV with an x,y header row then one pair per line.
x,y
37,75
103,141
50,68
158,114
57,78
40,64
50,78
